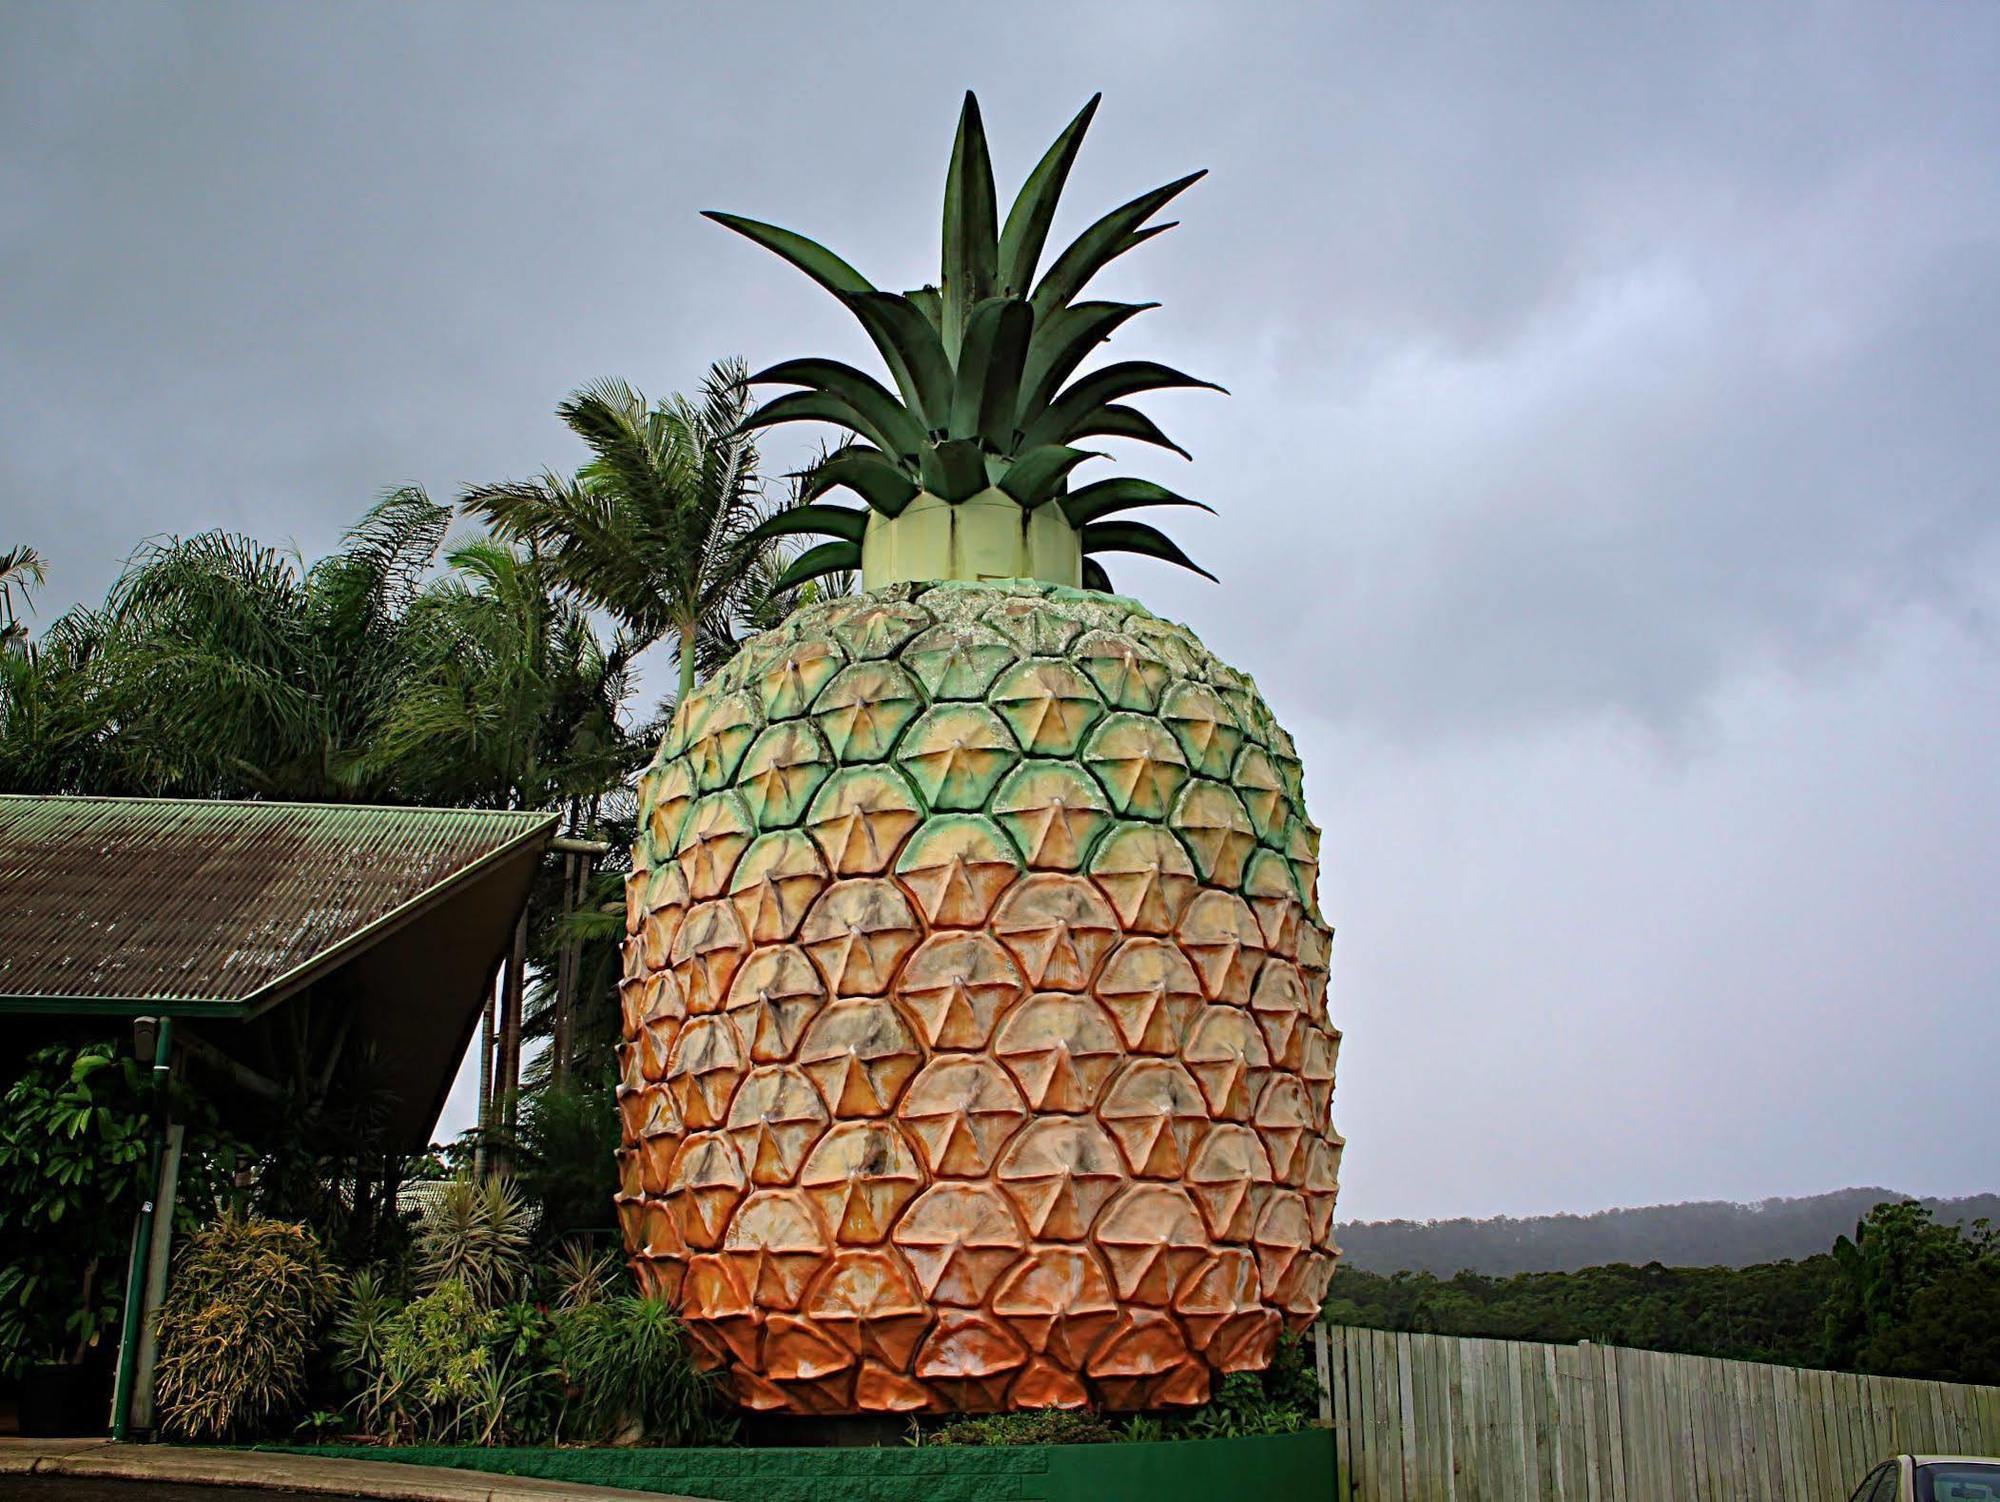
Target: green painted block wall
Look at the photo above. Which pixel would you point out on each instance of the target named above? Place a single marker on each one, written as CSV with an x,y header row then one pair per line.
x,y
1268,1468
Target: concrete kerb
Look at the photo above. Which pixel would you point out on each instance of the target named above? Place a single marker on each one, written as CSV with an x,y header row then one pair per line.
x,y
310,1475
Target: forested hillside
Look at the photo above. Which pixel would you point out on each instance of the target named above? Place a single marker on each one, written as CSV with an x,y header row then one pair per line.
x,y
1708,1233
1903,1296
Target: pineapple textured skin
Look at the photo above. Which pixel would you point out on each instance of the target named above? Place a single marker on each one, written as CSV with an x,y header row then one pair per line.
x,y
976,1048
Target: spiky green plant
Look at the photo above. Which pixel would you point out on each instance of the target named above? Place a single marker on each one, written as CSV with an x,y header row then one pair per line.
x,y
965,468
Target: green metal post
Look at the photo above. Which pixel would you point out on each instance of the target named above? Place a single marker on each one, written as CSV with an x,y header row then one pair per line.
x,y
142,1236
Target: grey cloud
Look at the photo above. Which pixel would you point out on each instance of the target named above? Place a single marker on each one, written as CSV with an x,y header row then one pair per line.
x,y
1608,490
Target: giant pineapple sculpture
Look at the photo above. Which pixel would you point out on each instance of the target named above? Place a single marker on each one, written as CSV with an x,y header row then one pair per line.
x,y
976,1047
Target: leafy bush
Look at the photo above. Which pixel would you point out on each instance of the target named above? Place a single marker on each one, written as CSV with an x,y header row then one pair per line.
x,y
1241,1404
582,1275
632,1376
567,1156
1035,1426
1281,1400
478,1236
75,1133
425,1381
237,1326
457,1363
362,1329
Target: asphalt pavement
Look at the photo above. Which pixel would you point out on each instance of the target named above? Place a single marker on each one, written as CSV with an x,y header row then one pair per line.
x,y
90,1489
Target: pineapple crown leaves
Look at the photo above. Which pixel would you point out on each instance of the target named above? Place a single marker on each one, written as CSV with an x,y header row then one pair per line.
x,y
982,367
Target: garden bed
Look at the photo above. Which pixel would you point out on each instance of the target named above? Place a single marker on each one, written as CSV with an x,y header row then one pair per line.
x,y
1279,1467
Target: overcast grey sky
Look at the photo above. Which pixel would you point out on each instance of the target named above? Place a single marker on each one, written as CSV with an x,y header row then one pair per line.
x,y
1610,490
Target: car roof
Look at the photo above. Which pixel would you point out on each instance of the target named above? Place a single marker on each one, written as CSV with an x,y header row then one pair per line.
x,y
1955,1459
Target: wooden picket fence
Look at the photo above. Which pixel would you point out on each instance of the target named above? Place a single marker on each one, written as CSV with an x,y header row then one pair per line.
x,y
1423,1417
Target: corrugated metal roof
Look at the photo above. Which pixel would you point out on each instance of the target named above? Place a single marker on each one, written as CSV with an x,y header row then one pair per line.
x,y
213,906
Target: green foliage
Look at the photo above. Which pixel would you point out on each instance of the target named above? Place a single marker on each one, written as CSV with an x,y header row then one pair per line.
x,y
1915,1299
237,1327
495,1349
655,528
478,1236
508,699
1280,1400
633,1377
979,363
220,667
446,1367
75,1134
1949,1333
1036,1426
427,1384
1767,1313
361,1329
566,1157
581,1275
22,572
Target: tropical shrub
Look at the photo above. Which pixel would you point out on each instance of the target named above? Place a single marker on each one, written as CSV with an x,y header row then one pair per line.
x,y
75,1152
237,1327
632,1378
581,1274
478,1235
567,1155
494,1350
1281,1399
426,1380
361,1329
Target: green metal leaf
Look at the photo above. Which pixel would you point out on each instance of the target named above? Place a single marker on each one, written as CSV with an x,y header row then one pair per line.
x,y
1035,206
903,432
954,470
814,406
929,302
1137,537
1094,576
1033,478
1106,240
971,231
1061,421
1115,421
814,563
1060,345
1122,493
884,485
814,259
989,371
912,350
832,521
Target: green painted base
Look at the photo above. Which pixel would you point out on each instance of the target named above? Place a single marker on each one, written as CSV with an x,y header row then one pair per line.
x,y
1271,1468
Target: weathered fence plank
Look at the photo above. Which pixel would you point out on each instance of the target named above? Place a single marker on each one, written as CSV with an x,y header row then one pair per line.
x,y
1418,1418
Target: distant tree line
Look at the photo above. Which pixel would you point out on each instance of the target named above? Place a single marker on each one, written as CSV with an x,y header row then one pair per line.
x,y
1701,1234
1905,1296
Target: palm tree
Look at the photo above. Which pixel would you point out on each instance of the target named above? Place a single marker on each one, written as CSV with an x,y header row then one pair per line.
x,y
21,572
508,699
54,723
230,668
653,530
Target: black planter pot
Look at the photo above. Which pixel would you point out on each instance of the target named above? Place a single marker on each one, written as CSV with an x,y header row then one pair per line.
x,y
64,1400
